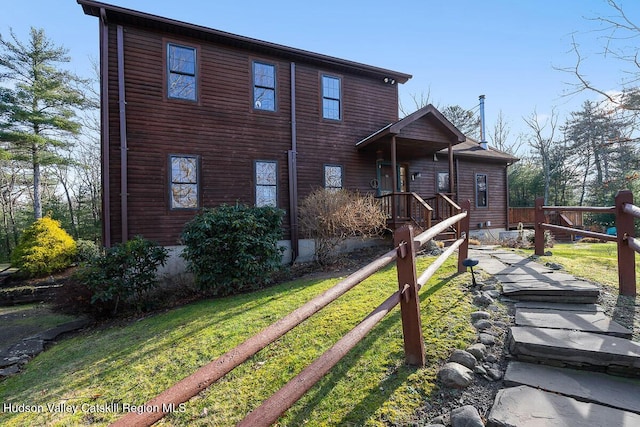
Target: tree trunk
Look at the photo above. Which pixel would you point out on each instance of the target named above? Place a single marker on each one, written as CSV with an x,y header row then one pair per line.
x,y
37,198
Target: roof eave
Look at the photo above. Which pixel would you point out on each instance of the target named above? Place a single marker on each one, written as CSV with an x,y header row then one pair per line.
x,y
121,14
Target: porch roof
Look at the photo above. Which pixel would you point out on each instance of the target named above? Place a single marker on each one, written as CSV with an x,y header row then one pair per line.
x,y
472,149
425,130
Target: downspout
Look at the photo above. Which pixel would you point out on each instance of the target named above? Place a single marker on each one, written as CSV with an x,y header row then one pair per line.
x,y
293,172
104,127
122,103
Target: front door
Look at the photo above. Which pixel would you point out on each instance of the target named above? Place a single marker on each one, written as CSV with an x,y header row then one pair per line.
x,y
385,179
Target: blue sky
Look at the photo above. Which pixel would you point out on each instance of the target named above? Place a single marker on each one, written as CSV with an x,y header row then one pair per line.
x,y
456,50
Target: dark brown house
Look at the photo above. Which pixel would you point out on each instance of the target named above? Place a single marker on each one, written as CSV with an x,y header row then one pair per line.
x,y
194,117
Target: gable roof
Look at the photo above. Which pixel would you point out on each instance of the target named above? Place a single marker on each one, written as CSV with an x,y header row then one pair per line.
x,y
123,15
403,124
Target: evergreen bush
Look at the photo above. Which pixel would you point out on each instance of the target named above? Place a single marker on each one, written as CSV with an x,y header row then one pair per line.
x,y
231,249
44,248
126,272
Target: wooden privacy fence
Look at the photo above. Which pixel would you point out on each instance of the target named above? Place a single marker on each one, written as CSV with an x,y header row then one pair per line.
x,y
625,212
270,410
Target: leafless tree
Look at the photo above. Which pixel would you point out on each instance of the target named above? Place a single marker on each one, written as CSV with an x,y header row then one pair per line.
x,y
542,141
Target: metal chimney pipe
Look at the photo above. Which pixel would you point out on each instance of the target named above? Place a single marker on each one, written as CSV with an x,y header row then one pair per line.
x,y
483,141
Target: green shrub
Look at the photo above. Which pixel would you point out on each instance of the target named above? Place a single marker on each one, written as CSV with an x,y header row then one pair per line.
x,y
87,250
44,248
125,273
231,249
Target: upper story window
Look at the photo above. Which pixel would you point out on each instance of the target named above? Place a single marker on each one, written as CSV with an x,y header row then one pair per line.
x,y
184,185
333,177
331,98
181,72
264,86
482,192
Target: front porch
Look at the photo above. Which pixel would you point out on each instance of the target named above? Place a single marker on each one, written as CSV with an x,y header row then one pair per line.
x,y
403,208
413,185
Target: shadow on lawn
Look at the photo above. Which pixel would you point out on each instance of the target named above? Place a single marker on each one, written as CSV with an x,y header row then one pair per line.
x,y
381,392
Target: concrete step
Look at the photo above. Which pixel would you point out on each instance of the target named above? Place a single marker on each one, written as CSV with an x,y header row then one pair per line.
x,y
594,387
528,407
596,322
559,347
563,291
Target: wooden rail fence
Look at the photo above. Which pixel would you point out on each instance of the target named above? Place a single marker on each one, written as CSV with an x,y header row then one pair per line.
x,y
407,295
625,212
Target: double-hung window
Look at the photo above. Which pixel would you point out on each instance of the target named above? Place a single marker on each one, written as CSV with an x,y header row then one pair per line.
x,y
181,72
331,98
183,181
264,86
266,179
482,193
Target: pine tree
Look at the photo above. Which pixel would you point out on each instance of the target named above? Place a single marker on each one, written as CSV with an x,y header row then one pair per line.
x,y
37,104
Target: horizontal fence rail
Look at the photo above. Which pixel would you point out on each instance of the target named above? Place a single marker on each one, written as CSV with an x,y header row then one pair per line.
x,y
407,296
625,212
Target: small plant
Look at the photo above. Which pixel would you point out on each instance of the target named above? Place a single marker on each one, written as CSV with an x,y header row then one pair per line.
x,y
331,217
232,249
548,239
44,248
126,272
87,250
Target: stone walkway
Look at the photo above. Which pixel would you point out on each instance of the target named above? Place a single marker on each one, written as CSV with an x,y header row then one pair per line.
x,y
570,364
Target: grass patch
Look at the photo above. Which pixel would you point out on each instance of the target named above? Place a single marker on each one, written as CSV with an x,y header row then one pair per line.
x,y
597,262
371,386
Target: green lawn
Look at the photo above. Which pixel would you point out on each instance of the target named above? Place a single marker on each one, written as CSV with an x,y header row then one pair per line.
x,y
597,262
132,363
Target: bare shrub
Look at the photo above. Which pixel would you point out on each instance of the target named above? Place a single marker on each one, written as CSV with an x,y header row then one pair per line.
x,y
331,217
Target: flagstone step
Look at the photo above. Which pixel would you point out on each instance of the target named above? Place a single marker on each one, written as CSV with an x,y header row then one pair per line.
x,y
590,308
596,322
561,347
525,406
569,291
586,386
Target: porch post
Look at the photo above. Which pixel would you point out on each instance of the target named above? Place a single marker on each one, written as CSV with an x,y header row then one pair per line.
x,y
394,178
451,171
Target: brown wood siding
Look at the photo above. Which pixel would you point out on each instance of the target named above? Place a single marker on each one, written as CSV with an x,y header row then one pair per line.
x,y
222,128
225,131
426,130
367,105
496,212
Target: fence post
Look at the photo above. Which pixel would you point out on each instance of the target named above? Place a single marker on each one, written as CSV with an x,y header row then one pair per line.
x,y
463,250
539,231
626,254
409,300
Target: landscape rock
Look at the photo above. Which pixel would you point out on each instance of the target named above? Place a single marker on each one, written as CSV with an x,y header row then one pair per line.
x,y
494,374
466,416
478,350
455,375
482,300
11,370
483,324
478,315
464,358
487,339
